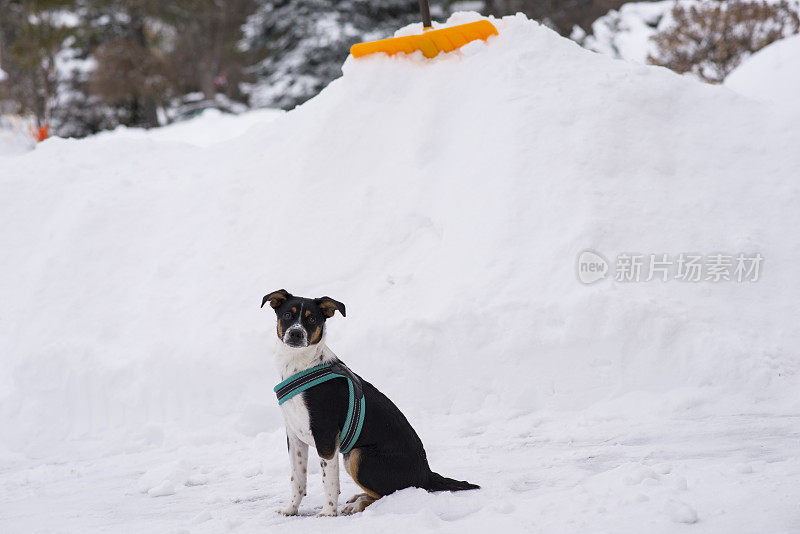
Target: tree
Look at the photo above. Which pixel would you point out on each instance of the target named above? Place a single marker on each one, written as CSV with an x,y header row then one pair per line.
x,y
710,39
561,15
205,55
32,33
303,43
132,39
130,76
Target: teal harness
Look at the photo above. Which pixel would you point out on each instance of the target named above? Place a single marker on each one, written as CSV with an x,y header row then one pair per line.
x,y
309,378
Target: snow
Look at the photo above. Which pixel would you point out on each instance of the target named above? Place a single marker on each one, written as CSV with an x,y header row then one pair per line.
x,y
210,127
681,512
15,136
445,202
625,33
772,74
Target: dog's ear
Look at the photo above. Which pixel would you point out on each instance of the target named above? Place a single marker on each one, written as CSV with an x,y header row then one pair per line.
x,y
276,298
328,306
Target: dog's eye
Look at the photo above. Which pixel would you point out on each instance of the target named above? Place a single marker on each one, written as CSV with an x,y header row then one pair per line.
x,y
311,319
287,315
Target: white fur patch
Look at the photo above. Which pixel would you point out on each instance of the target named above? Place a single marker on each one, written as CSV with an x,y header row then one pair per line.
x,y
290,361
330,481
298,423
298,461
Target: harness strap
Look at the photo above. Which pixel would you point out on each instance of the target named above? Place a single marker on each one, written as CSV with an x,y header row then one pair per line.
x,y
299,382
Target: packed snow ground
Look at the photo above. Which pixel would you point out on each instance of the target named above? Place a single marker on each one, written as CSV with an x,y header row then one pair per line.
x,y
445,202
565,473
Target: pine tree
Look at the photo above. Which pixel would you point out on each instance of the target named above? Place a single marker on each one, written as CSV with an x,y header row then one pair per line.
x,y
134,37
32,33
305,42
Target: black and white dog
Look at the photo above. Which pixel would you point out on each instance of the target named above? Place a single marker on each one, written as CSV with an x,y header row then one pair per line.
x,y
387,456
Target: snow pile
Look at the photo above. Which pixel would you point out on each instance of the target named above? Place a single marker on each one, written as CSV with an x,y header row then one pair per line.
x,y
210,127
445,202
772,74
445,212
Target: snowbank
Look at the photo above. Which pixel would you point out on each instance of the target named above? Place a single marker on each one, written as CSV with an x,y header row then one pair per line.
x,y
772,74
210,127
445,202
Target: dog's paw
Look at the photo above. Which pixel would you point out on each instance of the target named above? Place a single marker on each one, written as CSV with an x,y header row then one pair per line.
x,y
327,511
287,510
357,504
351,508
356,497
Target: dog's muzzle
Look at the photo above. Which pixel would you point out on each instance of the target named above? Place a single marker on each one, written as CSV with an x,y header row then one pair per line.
x,y
296,337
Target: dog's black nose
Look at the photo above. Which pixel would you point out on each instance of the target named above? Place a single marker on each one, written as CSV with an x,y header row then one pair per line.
x,y
295,335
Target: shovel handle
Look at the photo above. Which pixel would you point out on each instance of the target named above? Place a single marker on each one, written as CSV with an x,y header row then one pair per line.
x,y
425,9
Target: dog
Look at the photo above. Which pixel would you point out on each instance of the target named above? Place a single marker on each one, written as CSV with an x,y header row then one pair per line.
x,y
386,456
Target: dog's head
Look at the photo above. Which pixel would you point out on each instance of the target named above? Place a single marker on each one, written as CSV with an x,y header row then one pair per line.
x,y
301,321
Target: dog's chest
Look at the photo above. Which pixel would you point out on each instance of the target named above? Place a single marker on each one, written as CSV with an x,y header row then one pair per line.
x,y
298,421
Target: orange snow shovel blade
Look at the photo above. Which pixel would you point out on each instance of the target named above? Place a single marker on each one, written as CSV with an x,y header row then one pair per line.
x,y
431,42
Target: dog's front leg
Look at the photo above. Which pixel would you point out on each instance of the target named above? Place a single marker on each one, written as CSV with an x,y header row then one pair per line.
x,y
330,481
298,458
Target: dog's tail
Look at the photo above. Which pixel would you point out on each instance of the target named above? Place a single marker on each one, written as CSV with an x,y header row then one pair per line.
x,y
437,482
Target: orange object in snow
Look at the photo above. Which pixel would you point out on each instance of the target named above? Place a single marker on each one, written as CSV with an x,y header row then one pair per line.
x,y
430,43
41,133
